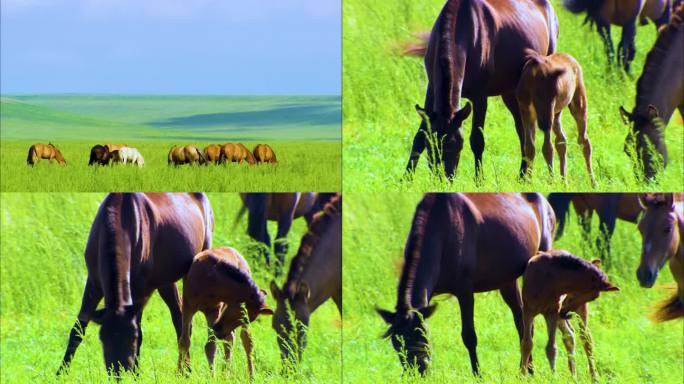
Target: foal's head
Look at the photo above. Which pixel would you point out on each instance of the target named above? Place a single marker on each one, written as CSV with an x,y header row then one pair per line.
x,y
449,137
290,320
238,314
660,235
119,334
593,281
408,334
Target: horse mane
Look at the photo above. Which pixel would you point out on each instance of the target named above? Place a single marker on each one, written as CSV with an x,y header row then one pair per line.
x,y
656,56
322,220
116,257
447,32
235,273
565,260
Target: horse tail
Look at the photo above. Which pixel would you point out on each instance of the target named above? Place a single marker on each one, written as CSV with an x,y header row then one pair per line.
x,y
669,309
560,202
203,159
418,48
171,155
30,159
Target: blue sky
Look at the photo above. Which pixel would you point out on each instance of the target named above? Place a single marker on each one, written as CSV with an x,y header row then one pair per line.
x,y
171,46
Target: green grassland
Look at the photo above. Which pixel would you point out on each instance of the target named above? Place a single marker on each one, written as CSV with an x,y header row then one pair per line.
x,y
303,131
380,88
42,276
628,347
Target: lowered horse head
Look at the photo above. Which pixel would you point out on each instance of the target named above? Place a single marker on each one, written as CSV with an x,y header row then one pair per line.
x,y
660,233
647,128
292,310
408,333
445,145
119,334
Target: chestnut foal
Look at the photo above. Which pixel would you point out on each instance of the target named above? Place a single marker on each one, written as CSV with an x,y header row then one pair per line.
x,y
219,284
556,283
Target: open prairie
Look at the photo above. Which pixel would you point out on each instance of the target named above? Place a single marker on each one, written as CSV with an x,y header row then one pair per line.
x,y
42,277
628,347
303,131
381,87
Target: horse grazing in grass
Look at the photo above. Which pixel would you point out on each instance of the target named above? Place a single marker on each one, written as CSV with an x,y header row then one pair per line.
x,y
114,147
127,155
236,153
280,207
263,153
660,90
624,13
461,244
138,243
315,276
556,283
476,49
44,151
219,283
662,233
608,206
547,85
99,154
188,154
213,153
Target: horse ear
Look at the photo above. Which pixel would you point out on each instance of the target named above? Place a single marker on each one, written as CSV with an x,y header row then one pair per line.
x,y
222,311
626,116
643,201
596,262
386,315
263,291
98,316
422,113
428,311
669,200
266,311
463,113
653,112
304,291
609,287
275,291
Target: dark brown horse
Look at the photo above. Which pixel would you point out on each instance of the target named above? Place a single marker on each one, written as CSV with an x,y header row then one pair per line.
x,y
99,154
280,207
461,244
219,283
44,151
138,243
660,90
556,283
188,154
263,153
624,13
608,206
662,233
476,49
315,276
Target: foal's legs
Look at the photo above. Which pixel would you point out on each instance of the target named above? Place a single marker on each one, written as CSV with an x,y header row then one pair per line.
x,y
526,343
587,342
529,123
512,104
466,301
551,324
248,344
569,341
228,346
561,144
477,142
578,109
184,339
210,345
91,297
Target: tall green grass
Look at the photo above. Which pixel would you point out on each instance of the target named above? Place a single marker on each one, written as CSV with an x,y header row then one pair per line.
x,y
380,88
42,273
628,347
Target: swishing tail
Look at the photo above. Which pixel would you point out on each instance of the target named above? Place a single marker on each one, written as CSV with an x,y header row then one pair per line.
x,y
669,309
203,159
171,155
418,48
560,202
30,159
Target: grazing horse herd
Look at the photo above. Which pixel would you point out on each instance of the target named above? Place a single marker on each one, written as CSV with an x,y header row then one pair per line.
x,y
507,48
109,154
462,244
140,243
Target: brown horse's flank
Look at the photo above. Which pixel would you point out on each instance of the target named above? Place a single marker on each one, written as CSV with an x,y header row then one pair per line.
x,y
263,153
44,151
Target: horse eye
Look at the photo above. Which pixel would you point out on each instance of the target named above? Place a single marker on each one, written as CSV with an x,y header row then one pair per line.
x,y
668,229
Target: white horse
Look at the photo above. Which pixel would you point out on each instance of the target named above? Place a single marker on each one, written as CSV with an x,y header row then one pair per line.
x,y
127,155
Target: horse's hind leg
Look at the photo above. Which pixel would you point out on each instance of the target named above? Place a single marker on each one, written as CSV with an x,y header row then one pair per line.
x,y
210,345
512,104
466,301
477,142
281,246
627,48
561,144
569,342
604,31
169,293
578,109
511,296
587,342
248,344
551,324
526,344
91,297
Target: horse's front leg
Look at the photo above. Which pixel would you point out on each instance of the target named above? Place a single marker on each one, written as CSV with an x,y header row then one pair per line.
x,y
511,296
587,342
169,293
184,340
569,342
603,29
417,149
248,344
210,345
512,104
477,142
551,325
561,145
466,301
627,48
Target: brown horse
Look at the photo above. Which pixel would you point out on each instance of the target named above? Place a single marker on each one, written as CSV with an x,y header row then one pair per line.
x,y
556,283
44,151
461,244
662,233
608,206
280,207
99,154
138,243
547,85
188,154
114,147
219,283
624,13
236,153
213,153
315,276
263,153
476,49
249,157
660,90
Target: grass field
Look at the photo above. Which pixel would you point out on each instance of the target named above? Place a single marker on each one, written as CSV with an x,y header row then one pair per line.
x,y
42,277
628,347
380,88
304,132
